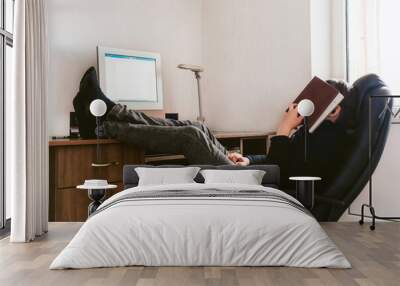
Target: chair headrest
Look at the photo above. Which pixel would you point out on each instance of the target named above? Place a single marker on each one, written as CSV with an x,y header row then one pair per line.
x,y
367,83
355,103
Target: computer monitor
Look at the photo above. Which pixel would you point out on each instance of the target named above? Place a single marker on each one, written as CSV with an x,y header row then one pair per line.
x,y
131,77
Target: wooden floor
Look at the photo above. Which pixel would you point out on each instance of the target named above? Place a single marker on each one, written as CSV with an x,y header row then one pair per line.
x,y
375,257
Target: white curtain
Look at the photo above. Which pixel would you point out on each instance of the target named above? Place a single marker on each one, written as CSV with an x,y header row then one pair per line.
x,y
27,123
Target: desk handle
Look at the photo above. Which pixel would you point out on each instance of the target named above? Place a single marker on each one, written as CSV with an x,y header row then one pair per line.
x,y
103,165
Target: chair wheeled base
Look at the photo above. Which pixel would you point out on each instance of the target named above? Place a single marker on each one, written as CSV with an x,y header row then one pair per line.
x,y
388,107
373,216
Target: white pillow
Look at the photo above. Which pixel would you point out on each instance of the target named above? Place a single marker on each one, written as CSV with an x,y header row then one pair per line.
x,y
248,177
165,176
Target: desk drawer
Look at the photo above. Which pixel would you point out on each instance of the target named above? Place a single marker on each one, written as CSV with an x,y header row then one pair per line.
x,y
73,164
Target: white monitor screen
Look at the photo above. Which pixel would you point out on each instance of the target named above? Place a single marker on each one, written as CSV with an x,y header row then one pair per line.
x,y
131,77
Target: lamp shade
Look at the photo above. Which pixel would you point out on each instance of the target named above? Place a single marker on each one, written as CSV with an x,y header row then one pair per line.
x,y
305,107
192,68
98,107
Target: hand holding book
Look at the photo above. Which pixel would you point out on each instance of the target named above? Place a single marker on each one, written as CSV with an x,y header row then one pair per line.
x,y
290,121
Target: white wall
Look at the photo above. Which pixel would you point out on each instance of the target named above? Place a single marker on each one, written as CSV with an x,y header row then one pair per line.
x,y
252,51
320,20
170,27
257,58
338,39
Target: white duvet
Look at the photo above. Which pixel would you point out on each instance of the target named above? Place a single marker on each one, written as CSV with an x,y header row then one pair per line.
x,y
200,231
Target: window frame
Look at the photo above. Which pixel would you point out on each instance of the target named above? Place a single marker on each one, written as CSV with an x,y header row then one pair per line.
x,y
6,39
347,51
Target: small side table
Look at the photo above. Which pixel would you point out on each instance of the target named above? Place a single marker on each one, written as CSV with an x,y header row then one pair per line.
x,y
96,194
305,188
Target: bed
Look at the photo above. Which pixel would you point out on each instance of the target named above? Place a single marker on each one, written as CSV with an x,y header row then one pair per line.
x,y
198,224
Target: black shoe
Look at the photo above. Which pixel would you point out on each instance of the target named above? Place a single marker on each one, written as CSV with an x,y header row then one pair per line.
x,y
89,90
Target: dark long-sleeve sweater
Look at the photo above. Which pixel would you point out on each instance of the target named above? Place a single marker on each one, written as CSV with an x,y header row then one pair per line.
x,y
327,146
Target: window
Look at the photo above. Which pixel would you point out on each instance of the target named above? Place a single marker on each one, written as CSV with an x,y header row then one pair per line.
x,y
6,44
373,41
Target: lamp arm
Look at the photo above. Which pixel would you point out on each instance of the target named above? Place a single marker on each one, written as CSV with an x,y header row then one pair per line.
x,y
198,77
305,139
97,140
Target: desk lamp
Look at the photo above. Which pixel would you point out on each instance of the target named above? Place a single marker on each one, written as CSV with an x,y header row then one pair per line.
x,y
305,109
97,108
197,70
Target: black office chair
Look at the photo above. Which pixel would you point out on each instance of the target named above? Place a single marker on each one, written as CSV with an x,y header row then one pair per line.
x,y
353,174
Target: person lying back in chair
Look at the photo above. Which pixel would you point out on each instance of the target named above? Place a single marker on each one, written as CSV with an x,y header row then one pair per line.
x,y
199,146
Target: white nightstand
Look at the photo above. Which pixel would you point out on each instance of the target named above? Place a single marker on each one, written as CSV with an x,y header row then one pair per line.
x,y
96,194
305,188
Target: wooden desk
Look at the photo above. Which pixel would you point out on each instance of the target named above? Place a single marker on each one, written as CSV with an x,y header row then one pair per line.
x,y
71,163
249,142
243,134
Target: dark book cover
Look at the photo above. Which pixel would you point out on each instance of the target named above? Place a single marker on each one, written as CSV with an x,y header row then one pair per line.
x,y
325,98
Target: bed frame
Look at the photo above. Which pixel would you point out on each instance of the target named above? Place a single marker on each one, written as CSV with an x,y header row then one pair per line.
x,y
270,179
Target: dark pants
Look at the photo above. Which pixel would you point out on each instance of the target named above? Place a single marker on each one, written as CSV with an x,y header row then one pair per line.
x,y
192,139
